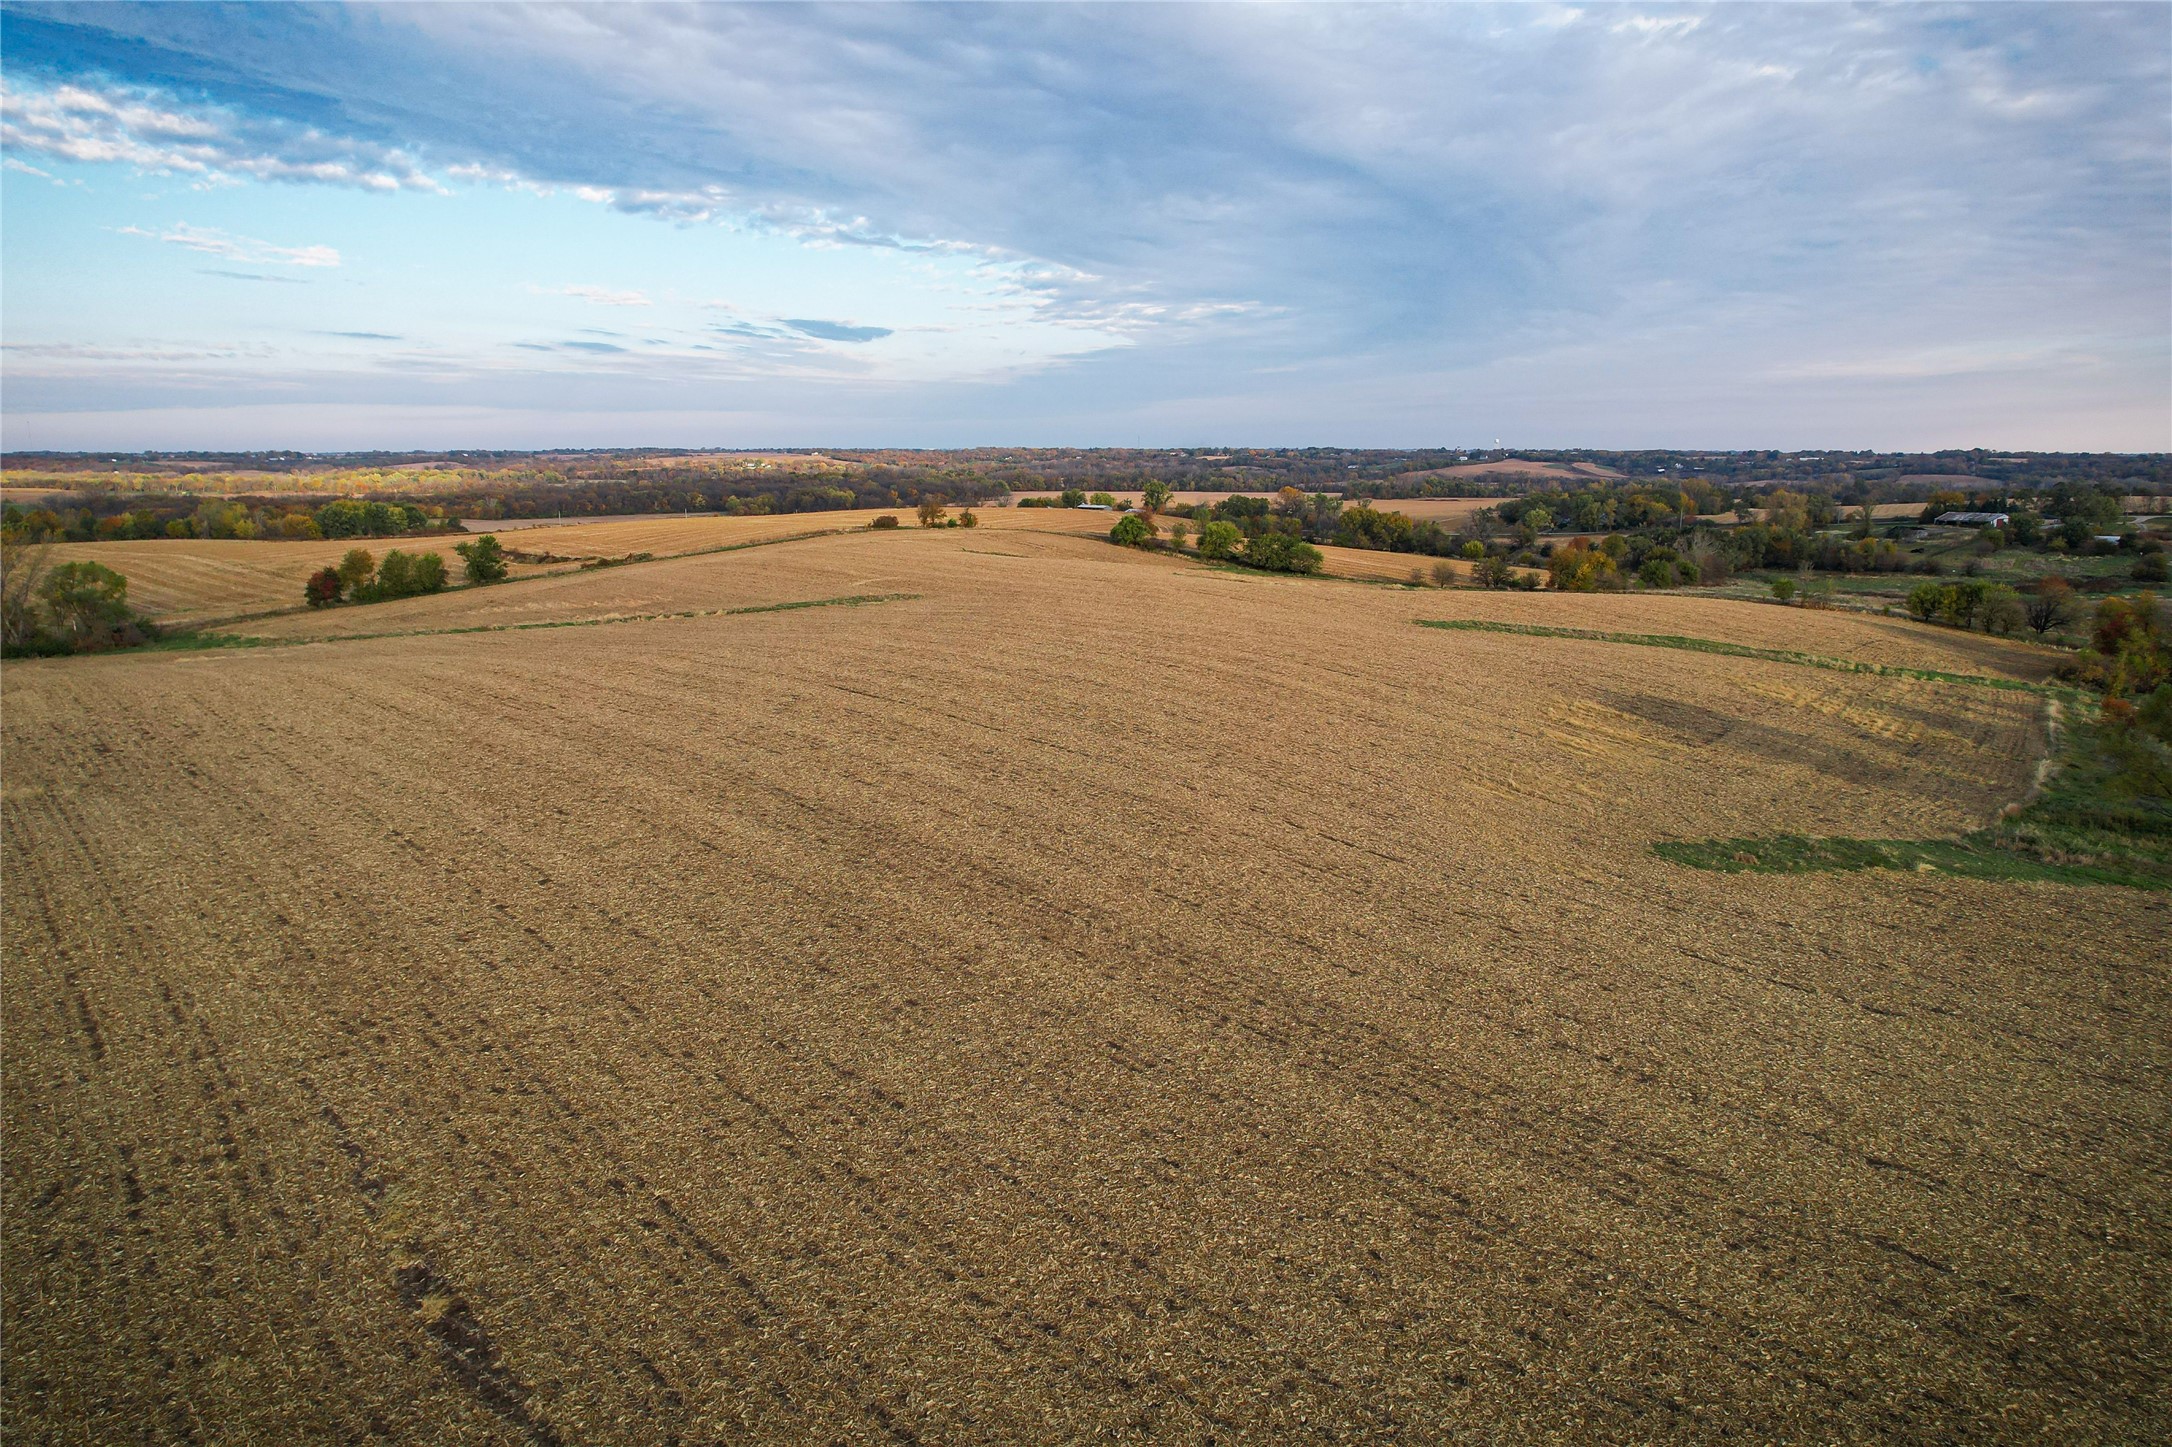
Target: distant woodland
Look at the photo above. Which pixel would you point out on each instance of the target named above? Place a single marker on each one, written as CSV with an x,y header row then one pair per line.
x,y
286,494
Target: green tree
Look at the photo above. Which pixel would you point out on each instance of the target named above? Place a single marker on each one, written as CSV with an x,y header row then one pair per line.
x,y
1281,553
1133,531
1156,493
1219,539
484,559
85,601
1073,496
1924,600
404,575
1103,499
1493,573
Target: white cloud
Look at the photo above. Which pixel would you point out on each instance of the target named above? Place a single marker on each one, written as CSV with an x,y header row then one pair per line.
x,y
238,248
600,295
81,122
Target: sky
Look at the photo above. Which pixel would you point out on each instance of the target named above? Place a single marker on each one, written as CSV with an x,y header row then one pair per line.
x,y
1612,225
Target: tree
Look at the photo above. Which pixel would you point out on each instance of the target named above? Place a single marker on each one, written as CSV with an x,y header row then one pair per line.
x,y
1132,531
887,520
22,570
404,575
86,601
1073,496
1219,539
1579,568
1943,501
2049,603
356,569
1493,573
323,588
2128,654
932,512
2002,610
966,519
1961,603
1179,535
1156,493
428,573
1281,553
1103,499
484,558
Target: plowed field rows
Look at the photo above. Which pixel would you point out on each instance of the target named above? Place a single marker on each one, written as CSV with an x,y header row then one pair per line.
x,y
1093,997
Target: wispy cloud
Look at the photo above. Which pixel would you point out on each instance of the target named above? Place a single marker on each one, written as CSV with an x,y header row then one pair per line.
x,y
249,276
600,295
87,121
244,249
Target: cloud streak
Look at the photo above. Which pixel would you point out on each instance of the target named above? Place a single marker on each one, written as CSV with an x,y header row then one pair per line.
x,y
238,248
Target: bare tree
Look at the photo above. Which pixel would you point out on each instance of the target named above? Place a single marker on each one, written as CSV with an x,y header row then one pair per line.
x,y
2049,604
22,568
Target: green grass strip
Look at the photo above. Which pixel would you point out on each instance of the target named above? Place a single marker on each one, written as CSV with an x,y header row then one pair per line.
x,y
1743,650
1974,856
2104,817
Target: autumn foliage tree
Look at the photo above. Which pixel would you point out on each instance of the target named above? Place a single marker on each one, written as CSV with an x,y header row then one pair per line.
x,y
1577,567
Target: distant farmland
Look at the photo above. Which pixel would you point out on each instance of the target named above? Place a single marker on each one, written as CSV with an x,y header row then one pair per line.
x,y
994,987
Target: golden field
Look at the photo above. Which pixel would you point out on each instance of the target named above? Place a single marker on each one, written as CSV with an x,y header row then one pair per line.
x,y
193,582
1084,996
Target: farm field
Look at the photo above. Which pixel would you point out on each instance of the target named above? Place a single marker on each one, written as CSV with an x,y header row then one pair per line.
x,y
197,581
1065,994
1449,512
193,580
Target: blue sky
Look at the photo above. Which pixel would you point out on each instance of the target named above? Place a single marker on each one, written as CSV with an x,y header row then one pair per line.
x,y
1603,225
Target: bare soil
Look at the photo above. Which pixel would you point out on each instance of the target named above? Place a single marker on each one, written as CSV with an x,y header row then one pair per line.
x,y
1092,997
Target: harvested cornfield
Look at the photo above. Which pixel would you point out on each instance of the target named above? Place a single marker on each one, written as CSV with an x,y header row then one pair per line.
x,y
1054,993
194,580
1449,512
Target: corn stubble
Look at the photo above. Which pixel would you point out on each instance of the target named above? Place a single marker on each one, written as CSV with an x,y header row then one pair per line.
x,y
1089,998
